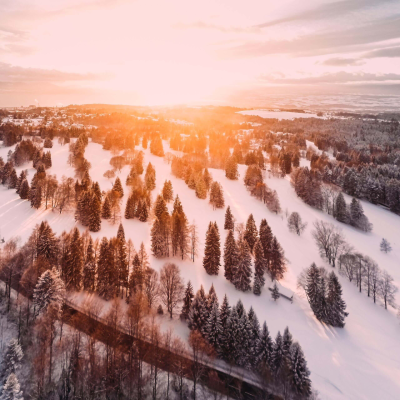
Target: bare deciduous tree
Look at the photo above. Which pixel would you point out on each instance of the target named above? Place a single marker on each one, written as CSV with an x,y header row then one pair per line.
x,y
171,287
387,289
295,223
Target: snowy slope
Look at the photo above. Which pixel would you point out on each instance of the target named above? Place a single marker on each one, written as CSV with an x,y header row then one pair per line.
x,y
361,361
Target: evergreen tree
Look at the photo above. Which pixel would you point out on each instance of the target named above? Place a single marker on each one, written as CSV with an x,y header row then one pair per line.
x,y
157,241
225,312
341,208
266,238
24,190
11,389
12,358
130,208
336,306
144,212
275,292
231,256
106,209
259,267
214,328
105,270
198,314
167,191
276,266
287,341
89,269
187,301
251,233
254,337
47,243
179,230
229,220
74,263
200,187
212,251
207,178
136,278
95,214
277,357
117,187
122,260
212,299
299,373
231,169
242,275
385,246
228,337
265,348
314,291
150,177
217,196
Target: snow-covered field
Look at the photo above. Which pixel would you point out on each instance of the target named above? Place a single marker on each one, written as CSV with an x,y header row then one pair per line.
x,y
361,361
278,114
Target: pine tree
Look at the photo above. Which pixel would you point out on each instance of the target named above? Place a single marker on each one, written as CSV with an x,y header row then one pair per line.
x,y
47,243
228,337
336,306
12,358
259,267
314,291
231,169
74,264
118,187
144,212
212,251
225,311
167,191
251,233
106,209
122,260
130,208
179,230
136,278
214,328
105,270
89,268
299,373
277,357
212,299
287,341
187,301
266,238
231,256
242,342
385,246
207,178
200,187
265,348
254,337
276,266
24,190
198,314
95,214
157,240
11,389
341,208
275,292
217,196
229,220
150,177
242,275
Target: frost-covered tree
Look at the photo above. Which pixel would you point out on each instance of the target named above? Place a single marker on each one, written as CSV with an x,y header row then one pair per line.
x,y
12,358
231,169
106,209
231,256
336,307
341,209
385,246
217,196
198,313
357,216
212,251
229,219
187,301
242,273
275,292
299,375
276,266
213,328
259,267
167,191
266,238
277,362
254,337
11,389
89,268
296,224
50,289
251,233
265,348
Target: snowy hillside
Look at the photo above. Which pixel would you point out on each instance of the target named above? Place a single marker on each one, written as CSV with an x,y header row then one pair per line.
x,y
360,361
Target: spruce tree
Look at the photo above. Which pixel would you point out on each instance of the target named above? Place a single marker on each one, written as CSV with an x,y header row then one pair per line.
x,y
12,358
150,177
336,307
187,301
242,275
214,328
242,342
74,264
179,230
117,187
106,209
275,292
212,251
254,337
104,269
89,268
200,187
212,299
385,246
341,208
11,389
122,260
276,266
231,169
225,311
315,291
277,357
231,256
251,233
259,267
95,214
228,337
157,240
144,212
24,190
229,220
167,191
198,314
130,208
266,238
299,375
265,348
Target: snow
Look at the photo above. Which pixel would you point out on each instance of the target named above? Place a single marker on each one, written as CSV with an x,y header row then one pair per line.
x,y
278,114
360,361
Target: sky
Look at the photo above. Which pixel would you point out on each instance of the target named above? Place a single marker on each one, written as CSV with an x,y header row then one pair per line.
x,y
158,52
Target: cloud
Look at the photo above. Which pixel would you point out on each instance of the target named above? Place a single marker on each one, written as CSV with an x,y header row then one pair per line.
x,y
341,62
390,52
10,73
204,25
341,77
352,39
327,10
